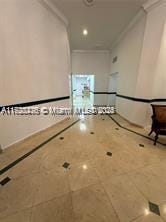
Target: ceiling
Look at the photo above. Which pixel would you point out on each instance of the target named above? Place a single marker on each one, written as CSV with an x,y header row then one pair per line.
x,y
105,20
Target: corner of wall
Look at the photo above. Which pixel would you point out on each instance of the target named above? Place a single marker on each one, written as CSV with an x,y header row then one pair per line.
x,y
52,6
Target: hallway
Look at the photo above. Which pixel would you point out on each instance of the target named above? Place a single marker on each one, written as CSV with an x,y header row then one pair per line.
x,y
83,111
111,175
82,88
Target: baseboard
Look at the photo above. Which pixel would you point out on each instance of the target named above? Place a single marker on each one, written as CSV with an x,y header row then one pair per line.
x,y
130,122
29,136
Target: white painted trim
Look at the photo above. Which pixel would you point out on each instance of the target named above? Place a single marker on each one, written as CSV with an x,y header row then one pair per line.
x,y
55,10
138,16
151,4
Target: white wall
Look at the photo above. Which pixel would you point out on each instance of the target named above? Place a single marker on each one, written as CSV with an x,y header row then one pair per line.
x,y
34,64
141,64
152,67
159,89
93,63
151,49
128,52
113,86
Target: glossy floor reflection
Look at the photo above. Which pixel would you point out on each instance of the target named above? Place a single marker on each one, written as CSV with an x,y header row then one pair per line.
x,y
82,102
95,186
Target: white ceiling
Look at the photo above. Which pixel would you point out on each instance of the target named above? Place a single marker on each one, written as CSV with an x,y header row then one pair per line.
x,y
105,20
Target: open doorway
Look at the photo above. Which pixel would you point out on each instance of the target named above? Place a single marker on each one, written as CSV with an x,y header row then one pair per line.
x,y
82,91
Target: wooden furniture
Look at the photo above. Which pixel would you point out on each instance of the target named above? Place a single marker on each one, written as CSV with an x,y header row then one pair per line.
x,y
158,121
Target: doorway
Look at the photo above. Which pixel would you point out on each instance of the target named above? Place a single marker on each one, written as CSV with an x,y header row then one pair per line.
x,y
82,91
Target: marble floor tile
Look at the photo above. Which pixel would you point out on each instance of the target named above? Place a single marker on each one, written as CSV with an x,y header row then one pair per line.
x,y
158,169
58,209
56,159
149,217
82,175
24,216
28,166
92,204
128,202
95,187
16,195
151,185
50,184
106,167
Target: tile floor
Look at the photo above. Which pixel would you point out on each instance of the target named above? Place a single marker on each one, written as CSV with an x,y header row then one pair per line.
x,y
94,186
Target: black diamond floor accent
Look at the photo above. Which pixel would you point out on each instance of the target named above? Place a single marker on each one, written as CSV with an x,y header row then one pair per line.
x,y
66,165
154,208
5,181
92,133
61,138
109,154
141,145
117,128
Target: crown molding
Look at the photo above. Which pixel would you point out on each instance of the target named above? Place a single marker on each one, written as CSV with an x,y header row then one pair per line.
x,y
49,4
151,4
132,23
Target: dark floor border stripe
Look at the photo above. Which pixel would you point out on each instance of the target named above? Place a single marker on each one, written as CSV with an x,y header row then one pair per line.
x,y
33,103
5,169
132,131
5,181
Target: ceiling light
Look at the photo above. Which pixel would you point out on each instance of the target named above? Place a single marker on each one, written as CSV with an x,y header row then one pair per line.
x,y
85,32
